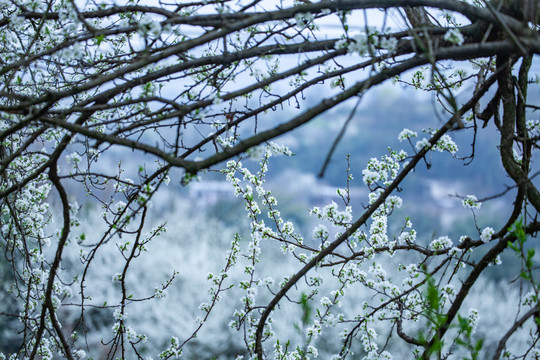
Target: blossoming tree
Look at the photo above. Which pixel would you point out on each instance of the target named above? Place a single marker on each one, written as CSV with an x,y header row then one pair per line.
x,y
186,86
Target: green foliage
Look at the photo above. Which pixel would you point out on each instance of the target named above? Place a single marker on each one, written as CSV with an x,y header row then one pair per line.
x,y
526,255
306,309
99,39
465,338
437,319
434,315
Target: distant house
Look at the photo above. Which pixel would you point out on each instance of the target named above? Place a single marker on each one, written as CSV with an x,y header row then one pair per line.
x,y
210,192
324,194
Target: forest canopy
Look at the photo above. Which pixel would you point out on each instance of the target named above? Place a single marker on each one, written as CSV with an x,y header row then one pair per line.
x,y
178,89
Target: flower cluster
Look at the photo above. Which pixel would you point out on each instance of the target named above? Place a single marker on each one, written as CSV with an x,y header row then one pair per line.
x,y
445,143
304,20
454,36
487,233
441,243
383,170
407,134
471,202
173,351
367,44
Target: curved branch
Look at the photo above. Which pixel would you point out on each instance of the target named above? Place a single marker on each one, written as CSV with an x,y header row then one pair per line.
x,y
506,88
470,281
48,305
532,312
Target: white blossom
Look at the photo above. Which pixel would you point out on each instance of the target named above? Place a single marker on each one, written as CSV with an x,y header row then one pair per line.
x,y
441,243
407,237
389,44
148,25
73,158
474,317
445,143
487,233
421,144
454,36
79,354
471,202
304,19
120,205
118,315
407,134
320,232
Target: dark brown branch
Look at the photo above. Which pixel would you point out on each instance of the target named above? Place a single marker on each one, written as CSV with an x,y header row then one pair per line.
x,y
533,312
506,88
48,305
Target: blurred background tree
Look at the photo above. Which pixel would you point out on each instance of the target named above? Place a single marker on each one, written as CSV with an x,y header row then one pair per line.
x,y
105,104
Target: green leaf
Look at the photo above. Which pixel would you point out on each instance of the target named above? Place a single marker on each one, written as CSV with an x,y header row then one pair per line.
x,y
99,39
306,309
437,345
513,247
463,323
479,345
433,296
